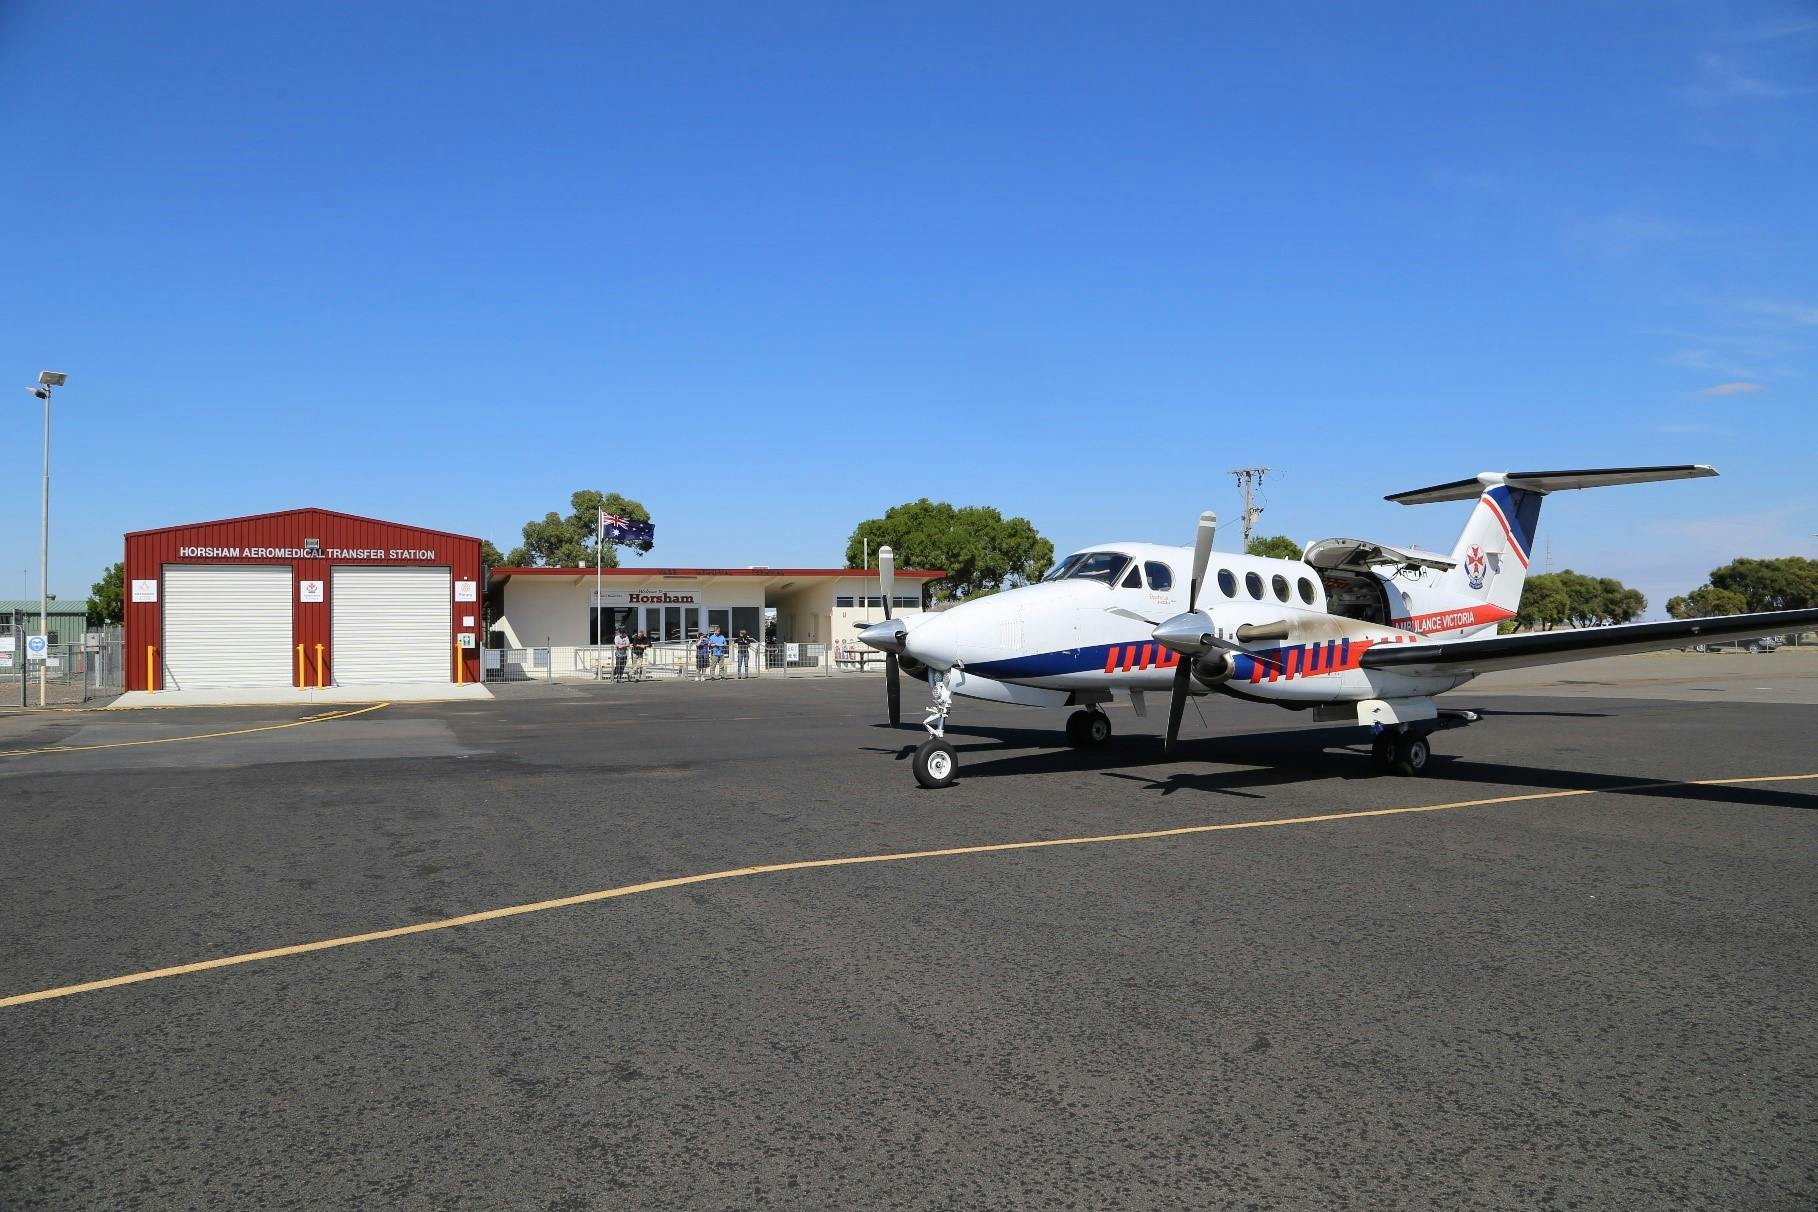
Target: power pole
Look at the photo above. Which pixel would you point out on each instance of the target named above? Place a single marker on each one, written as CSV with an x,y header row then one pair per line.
x,y
1250,480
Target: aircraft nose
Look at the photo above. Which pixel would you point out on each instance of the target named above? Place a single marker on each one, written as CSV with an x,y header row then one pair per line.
x,y
886,636
934,641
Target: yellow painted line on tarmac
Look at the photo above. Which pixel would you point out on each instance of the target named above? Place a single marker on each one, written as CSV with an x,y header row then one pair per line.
x,y
200,736
607,894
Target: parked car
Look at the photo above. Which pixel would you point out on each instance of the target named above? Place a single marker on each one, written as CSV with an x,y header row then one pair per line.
x,y
1766,643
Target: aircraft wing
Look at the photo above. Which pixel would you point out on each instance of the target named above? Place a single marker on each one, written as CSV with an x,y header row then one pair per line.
x,y
1552,647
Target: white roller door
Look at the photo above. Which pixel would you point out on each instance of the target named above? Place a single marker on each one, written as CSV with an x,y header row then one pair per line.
x,y
227,626
392,625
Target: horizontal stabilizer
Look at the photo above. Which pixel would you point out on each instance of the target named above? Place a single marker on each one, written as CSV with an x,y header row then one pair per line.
x,y
1555,647
1551,481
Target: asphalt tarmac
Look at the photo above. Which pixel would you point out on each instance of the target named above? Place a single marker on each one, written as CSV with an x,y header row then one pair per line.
x,y
1581,980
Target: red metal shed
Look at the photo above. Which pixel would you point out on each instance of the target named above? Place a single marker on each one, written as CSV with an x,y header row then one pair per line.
x,y
341,599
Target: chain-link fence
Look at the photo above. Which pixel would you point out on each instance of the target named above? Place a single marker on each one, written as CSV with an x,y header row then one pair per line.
x,y
68,673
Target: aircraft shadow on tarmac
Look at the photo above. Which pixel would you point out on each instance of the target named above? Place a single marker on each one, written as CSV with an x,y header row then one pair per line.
x,y
1298,756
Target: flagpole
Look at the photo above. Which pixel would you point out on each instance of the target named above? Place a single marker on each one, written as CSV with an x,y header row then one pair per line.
x,y
599,597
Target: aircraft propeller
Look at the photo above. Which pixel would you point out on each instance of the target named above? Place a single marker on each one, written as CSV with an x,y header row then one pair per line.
x,y
893,687
1190,634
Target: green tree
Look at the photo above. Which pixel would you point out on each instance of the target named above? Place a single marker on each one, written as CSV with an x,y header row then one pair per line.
x,y
1786,583
1706,601
107,597
556,541
489,555
1544,603
1274,546
1552,599
979,548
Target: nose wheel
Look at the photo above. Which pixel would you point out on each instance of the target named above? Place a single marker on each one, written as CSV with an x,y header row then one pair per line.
x,y
935,764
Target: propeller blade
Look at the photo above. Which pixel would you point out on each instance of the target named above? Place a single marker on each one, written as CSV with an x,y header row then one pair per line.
x,y
893,688
886,576
1202,552
1121,613
1177,702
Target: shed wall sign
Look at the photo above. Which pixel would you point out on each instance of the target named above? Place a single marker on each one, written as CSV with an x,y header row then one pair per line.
x,y
306,553
647,597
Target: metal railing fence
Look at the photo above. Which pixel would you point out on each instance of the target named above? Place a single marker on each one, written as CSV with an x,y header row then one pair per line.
x,y
673,660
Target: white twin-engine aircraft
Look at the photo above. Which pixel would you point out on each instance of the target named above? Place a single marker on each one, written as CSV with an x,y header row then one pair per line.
x,y
1358,632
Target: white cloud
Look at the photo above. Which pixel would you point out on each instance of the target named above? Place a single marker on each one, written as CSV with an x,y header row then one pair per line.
x,y
1730,389
1781,312
1721,80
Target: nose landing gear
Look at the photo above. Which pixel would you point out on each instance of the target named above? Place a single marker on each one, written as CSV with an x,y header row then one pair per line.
x,y
935,764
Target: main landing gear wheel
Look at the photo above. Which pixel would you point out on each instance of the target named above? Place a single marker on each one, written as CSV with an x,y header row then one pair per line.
x,y
1088,729
1382,753
1403,753
1411,754
935,764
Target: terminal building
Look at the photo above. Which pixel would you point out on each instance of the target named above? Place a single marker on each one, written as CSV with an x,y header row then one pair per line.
x,y
303,598
572,607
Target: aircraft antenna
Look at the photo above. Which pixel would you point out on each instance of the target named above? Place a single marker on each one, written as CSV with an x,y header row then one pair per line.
x,y
1250,480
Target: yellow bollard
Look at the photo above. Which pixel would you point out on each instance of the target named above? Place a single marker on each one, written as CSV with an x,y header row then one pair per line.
x,y
301,684
460,667
318,666
151,667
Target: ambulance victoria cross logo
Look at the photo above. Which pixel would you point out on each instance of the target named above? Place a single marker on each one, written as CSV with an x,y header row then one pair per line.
x,y
1474,564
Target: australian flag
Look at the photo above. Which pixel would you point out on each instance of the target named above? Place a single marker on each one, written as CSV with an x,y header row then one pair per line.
x,y
616,529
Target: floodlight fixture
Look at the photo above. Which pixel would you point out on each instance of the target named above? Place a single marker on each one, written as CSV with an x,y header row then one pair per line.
x,y
52,378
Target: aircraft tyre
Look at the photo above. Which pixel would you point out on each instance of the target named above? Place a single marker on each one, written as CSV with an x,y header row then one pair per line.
x,y
1411,754
1088,729
935,763
1382,753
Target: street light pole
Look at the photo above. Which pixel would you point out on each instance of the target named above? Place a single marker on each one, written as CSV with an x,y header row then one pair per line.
x,y
47,379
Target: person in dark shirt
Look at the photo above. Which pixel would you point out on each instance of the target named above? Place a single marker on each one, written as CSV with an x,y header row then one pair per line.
x,y
743,643
640,644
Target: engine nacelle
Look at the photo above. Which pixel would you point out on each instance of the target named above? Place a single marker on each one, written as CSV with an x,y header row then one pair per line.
x,y
912,668
1214,668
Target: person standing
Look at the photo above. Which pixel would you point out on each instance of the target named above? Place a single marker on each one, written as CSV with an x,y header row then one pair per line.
x,y
743,643
700,658
621,647
716,650
640,645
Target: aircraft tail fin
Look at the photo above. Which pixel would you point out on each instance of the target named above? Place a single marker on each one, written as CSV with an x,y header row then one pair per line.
x,y
1493,550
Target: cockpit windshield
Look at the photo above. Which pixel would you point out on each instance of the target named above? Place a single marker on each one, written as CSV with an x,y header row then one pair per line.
x,y
1104,566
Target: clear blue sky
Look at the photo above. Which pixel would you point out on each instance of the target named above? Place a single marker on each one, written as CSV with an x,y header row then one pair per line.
x,y
772,268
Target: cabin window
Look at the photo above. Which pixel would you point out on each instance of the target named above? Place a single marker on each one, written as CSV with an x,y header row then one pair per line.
x,y
1306,591
1253,583
1227,583
1134,580
1280,585
1160,576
